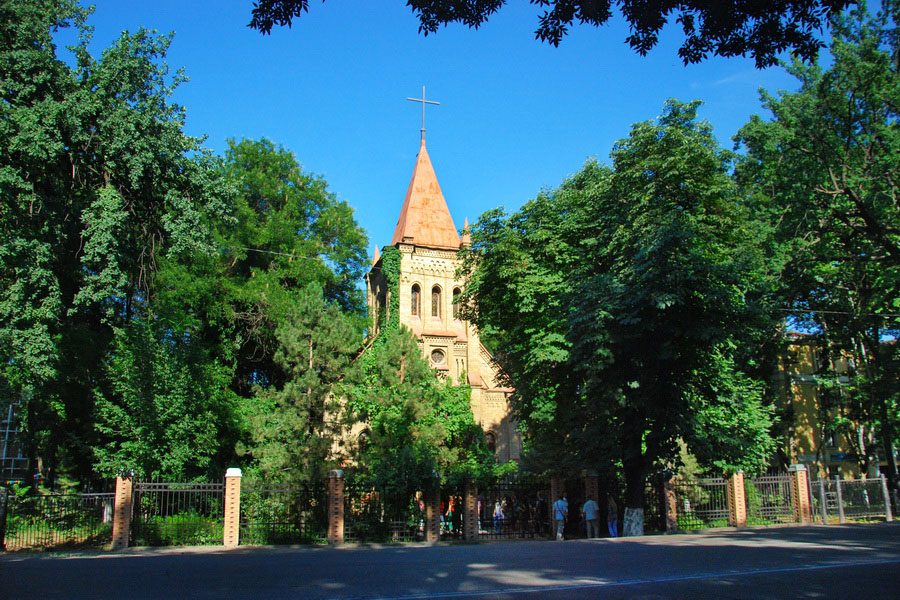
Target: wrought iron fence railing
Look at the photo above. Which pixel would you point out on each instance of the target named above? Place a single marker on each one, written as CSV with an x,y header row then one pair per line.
x,y
55,521
514,511
701,503
177,514
381,515
769,500
274,513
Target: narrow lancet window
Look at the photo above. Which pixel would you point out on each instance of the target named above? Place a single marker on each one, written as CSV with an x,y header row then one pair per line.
x,y
436,302
416,293
456,294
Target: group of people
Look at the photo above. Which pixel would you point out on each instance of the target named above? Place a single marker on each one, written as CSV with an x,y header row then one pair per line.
x,y
590,511
508,515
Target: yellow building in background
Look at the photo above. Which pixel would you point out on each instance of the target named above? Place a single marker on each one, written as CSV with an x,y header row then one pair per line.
x,y
814,396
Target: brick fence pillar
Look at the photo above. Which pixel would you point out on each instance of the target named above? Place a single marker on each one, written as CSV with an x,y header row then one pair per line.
x,y
122,512
336,507
800,494
232,529
670,505
737,500
470,512
433,512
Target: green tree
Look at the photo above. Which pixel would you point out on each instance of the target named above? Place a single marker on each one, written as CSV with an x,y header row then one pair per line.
x,y
759,29
416,427
619,301
824,171
295,425
159,418
98,185
289,231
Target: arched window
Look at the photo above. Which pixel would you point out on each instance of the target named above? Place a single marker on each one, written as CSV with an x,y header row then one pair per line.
x,y
436,302
490,440
456,294
416,293
363,440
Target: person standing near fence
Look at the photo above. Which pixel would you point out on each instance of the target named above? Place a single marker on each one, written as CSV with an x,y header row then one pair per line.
x,y
612,516
591,513
560,512
498,517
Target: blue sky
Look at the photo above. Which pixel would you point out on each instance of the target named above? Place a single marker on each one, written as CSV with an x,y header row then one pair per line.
x,y
516,115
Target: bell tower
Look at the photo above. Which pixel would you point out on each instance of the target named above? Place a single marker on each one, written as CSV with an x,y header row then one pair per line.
x,y
428,242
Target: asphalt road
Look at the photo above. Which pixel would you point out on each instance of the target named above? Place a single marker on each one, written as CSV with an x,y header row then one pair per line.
x,y
845,562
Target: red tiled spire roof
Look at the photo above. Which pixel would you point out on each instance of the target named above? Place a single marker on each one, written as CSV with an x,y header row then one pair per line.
x,y
425,219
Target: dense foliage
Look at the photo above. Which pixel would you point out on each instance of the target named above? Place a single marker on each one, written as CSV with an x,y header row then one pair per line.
x,y
824,172
760,29
153,295
619,300
100,188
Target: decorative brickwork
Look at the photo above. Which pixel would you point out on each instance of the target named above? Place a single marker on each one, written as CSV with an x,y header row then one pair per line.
x,y
232,528
336,507
737,500
470,514
122,513
800,494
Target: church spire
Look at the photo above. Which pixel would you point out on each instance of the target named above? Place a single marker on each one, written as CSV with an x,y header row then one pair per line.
x,y
425,219
466,238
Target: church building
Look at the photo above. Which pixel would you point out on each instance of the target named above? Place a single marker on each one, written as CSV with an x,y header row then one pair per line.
x,y
429,243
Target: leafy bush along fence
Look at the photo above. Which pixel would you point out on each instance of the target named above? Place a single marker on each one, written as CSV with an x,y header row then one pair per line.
x,y
769,500
701,503
55,521
373,515
177,514
282,513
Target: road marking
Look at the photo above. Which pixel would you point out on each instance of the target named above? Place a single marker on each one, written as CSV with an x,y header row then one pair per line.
x,y
587,586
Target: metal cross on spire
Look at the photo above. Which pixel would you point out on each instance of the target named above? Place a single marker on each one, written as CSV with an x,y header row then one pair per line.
x,y
424,102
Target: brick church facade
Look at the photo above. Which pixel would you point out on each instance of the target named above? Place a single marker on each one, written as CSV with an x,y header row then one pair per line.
x,y
429,244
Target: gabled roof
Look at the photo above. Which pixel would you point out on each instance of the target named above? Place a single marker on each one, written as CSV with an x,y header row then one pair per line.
x,y
425,219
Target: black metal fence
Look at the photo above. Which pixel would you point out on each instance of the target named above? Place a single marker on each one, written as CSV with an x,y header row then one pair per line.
x,y
769,499
382,515
701,503
274,513
177,514
514,511
58,521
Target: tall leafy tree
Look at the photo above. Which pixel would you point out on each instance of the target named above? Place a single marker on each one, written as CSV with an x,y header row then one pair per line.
x,y
289,231
619,299
294,425
98,185
824,169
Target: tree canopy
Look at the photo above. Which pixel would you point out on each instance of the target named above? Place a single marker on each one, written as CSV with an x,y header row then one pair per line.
x,y
824,171
618,302
761,29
